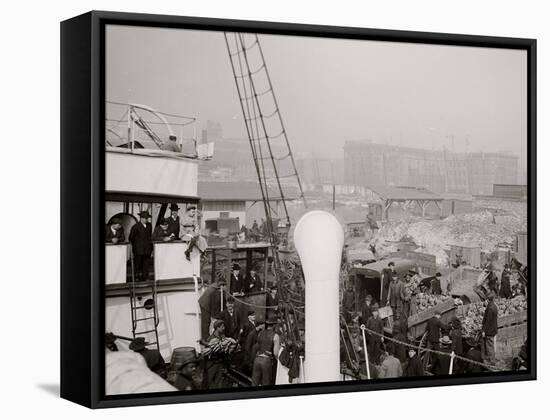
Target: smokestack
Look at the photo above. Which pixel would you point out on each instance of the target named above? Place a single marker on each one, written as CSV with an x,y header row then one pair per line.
x,y
319,239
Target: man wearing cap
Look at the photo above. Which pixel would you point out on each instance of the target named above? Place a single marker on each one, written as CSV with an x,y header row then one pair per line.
x,y
114,232
366,310
387,275
161,232
414,364
348,302
216,352
473,354
153,358
171,144
489,329
253,282
406,295
187,378
435,284
375,330
266,350
394,295
142,246
236,282
174,221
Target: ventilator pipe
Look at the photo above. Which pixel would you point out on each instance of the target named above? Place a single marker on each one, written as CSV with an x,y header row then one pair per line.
x,y
319,239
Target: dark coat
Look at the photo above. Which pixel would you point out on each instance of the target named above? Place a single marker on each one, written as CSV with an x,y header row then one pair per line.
x,y
395,294
414,367
400,350
141,239
348,301
174,226
253,284
456,337
441,363
505,289
490,320
210,301
109,235
159,234
366,313
237,284
436,286
386,281
154,360
232,323
475,355
433,328
183,383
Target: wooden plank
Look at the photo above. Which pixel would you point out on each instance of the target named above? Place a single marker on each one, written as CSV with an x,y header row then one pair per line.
x,y
428,313
515,331
516,318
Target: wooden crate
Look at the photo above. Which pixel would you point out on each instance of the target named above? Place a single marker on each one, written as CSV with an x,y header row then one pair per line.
x,y
417,322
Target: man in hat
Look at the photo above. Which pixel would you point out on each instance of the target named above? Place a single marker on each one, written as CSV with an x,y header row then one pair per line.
x,y
442,362
153,358
435,284
187,378
434,326
505,288
400,348
161,232
114,232
406,295
174,221
375,331
473,354
171,144
253,282
248,336
231,319
457,345
210,304
414,364
394,295
348,302
142,246
236,282
366,310
387,275
266,351
489,329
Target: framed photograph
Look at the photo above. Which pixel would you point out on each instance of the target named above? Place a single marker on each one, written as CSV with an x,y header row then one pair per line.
x,y
256,209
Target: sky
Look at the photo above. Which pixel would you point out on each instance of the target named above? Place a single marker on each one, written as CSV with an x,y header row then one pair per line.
x,y
332,90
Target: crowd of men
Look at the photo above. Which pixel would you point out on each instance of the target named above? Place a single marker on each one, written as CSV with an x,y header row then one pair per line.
x,y
143,235
444,339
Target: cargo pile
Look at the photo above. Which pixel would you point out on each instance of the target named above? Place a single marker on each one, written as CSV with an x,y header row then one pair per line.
x,y
471,324
426,301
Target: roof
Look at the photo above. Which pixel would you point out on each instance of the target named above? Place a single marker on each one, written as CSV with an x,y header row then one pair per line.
x,y
237,191
404,193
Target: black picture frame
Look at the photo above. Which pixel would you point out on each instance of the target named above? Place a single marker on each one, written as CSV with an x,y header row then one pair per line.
x,y
82,203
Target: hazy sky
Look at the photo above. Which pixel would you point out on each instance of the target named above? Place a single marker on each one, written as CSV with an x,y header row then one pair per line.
x,y
330,91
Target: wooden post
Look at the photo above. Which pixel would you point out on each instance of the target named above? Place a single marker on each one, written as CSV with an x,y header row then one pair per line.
x,y
366,352
265,268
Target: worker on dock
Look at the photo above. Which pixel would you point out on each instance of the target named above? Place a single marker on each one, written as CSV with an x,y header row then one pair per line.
x,y
394,295
187,378
505,288
267,347
142,246
248,335
375,329
435,285
231,319
442,362
348,302
489,330
174,221
387,275
366,310
414,366
473,354
391,366
434,327
114,232
216,354
161,232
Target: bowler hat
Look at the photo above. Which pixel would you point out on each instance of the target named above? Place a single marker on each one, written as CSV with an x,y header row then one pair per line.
x,y
251,312
235,266
271,319
144,213
438,274
172,138
188,356
174,207
445,340
138,344
163,221
115,221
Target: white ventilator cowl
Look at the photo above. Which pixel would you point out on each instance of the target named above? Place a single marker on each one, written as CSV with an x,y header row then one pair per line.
x,y
319,239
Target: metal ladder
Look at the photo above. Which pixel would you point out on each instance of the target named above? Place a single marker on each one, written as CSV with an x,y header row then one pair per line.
x,y
137,306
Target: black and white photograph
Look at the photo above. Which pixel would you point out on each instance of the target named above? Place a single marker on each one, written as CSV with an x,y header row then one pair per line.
x,y
286,210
